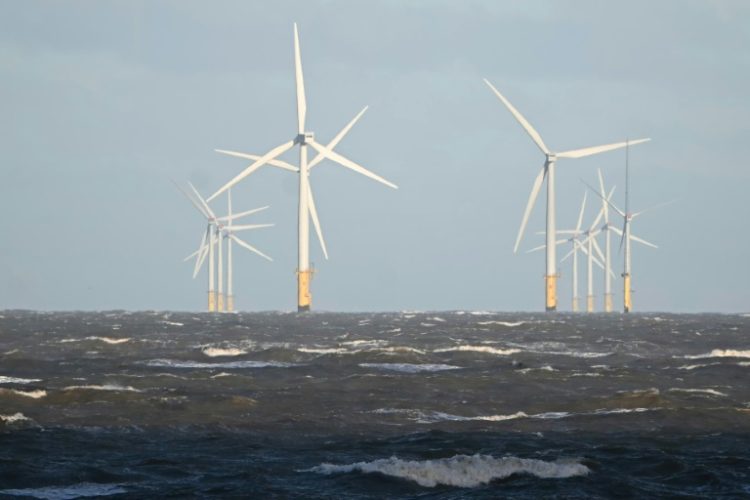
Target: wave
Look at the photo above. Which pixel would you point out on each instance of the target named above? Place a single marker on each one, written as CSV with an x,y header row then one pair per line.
x,y
16,380
213,352
479,348
464,471
108,340
503,323
16,417
326,350
104,387
229,364
36,394
409,367
171,323
366,343
68,492
722,353
711,392
431,417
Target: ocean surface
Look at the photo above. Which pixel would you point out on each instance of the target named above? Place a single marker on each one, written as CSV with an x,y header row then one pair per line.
x,y
459,404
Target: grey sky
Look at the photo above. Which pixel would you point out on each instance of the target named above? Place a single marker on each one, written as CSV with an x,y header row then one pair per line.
x,y
104,102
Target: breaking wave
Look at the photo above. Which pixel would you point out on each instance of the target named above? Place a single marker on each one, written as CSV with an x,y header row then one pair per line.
x,y
722,353
229,364
479,348
36,394
213,352
409,367
108,340
461,470
16,417
503,323
104,387
15,380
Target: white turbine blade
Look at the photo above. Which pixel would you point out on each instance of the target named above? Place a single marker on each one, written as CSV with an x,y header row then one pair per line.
x,y
567,255
563,231
598,249
580,153
332,155
249,247
203,252
202,201
255,166
197,252
605,199
529,205
580,214
275,163
316,222
195,203
542,247
239,215
659,205
603,193
642,241
249,226
519,117
301,103
320,157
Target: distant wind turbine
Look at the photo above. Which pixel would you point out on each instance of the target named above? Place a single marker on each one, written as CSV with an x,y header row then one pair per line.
x,y
306,203
548,172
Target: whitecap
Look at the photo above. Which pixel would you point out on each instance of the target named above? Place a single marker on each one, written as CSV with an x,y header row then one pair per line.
x,y
461,470
172,323
397,349
436,318
213,352
409,367
110,340
68,492
479,348
103,387
36,394
229,364
693,367
326,350
481,313
16,417
503,323
712,392
722,353
373,343
16,380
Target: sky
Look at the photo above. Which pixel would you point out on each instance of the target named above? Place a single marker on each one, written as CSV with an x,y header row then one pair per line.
x,y
104,103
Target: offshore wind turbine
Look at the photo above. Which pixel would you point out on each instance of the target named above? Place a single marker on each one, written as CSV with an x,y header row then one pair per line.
x,y
548,173
215,231
306,204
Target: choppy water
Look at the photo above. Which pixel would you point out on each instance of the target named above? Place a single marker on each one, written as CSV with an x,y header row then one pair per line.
x,y
441,405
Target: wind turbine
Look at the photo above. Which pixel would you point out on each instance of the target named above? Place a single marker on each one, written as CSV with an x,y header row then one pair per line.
x,y
606,229
215,232
306,203
627,235
548,172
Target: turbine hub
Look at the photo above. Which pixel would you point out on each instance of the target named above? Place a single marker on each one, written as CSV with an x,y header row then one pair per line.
x,y
304,138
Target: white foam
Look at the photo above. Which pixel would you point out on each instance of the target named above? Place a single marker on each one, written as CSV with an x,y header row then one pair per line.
x,y
213,352
431,417
229,364
461,470
16,417
373,343
711,392
325,350
722,353
503,323
693,367
108,340
438,319
104,387
409,367
479,348
16,380
397,349
37,394
222,374
68,492
545,368
172,323
481,313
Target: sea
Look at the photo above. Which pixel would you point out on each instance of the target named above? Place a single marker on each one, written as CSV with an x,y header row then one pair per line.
x,y
438,405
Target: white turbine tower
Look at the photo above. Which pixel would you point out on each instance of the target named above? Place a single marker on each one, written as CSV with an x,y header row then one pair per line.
x,y
306,202
215,232
548,172
606,229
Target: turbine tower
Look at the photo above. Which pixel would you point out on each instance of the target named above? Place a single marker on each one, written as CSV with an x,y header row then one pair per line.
x,y
306,204
548,172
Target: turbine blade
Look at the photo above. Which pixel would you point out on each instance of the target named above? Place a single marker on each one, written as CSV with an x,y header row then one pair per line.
x,y
529,205
659,205
622,234
249,226
255,166
203,253
249,247
642,241
301,103
239,215
541,247
332,155
334,142
605,199
567,255
275,163
598,249
602,194
316,222
202,201
197,205
580,153
580,214
519,117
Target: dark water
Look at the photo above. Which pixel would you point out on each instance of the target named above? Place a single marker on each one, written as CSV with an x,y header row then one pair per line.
x,y
411,405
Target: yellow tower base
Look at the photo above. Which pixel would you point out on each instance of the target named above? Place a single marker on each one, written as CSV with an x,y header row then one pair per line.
x,y
590,303
551,280
575,304
304,298
608,302
211,301
626,293
220,303
230,303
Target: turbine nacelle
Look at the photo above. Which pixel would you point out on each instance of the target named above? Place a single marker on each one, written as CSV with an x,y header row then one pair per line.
x,y
304,138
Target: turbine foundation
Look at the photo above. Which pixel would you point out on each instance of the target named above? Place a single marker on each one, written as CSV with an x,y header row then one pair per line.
x,y
220,302
304,298
575,304
608,302
551,281
626,293
211,301
590,303
230,303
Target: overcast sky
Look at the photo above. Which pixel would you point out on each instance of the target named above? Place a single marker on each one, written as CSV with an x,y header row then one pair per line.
x,y
104,102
